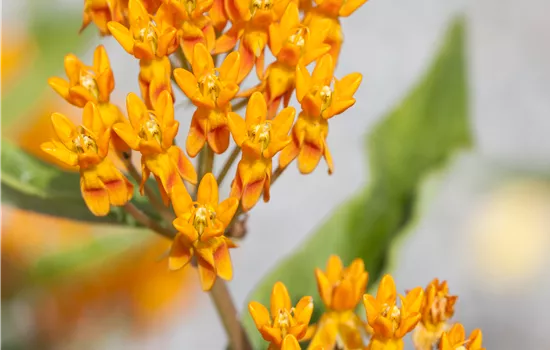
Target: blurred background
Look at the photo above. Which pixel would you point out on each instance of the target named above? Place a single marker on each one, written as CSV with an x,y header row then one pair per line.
x,y
484,223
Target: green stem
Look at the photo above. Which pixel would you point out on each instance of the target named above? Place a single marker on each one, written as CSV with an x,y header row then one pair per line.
x,y
228,163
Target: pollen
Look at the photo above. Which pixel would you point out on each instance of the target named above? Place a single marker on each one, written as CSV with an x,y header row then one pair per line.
x,y
326,96
298,38
261,134
256,5
149,35
393,313
84,143
151,130
203,217
209,86
88,80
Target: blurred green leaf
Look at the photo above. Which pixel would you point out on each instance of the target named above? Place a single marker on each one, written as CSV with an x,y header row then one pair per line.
x,y
111,244
31,184
54,38
415,139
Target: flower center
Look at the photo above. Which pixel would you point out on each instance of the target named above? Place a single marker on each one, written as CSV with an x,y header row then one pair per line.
x,y
298,38
393,313
151,130
283,321
326,96
438,309
209,86
256,5
261,134
84,143
148,35
87,79
203,217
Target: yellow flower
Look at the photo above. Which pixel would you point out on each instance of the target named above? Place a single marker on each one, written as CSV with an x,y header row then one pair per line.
x,y
101,183
341,290
145,38
260,139
86,83
211,90
290,42
154,78
193,25
218,15
285,325
102,12
251,20
201,225
320,101
455,339
152,133
332,10
390,323
437,309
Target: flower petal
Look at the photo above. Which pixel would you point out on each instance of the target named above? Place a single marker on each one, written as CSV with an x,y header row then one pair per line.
x,y
64,128
238,128
137,110
196,137
256,111
280,300
202,60
207,274
218,139
208,190
226,210
94,193
122,35
229,69
386,290
183,164
223,262
127,134
181,200
303,310
180,254
259,314
290,343
60,152
187,82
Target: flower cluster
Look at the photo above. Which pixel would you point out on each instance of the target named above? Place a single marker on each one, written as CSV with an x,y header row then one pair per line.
x,y
207,47
341,289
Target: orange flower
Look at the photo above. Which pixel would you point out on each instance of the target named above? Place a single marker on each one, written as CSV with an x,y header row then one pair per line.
x,y
320,102
437,309
455,339
218,15
389,323
90,84
152,133
101,12
145,38
194,26
260,139
290,42
101,183
332,10
201,225
211,90
341,290
285,325
154,78
251,20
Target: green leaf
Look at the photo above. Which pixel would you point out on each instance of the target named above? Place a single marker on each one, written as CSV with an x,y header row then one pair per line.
x,y
416,138
110,244
31,184
54,38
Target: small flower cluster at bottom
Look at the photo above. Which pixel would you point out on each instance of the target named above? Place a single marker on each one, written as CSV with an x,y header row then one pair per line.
x,y
424,311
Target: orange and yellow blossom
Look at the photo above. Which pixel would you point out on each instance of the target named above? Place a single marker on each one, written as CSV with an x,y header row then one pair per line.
x,y
332,10
455,339
150,40
194,26
437,309
86,148
102,12
320,100
201,225
251,20
260,139
211,90
291,43
341,289
152,133
282,325
89,84
218,15
388,322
